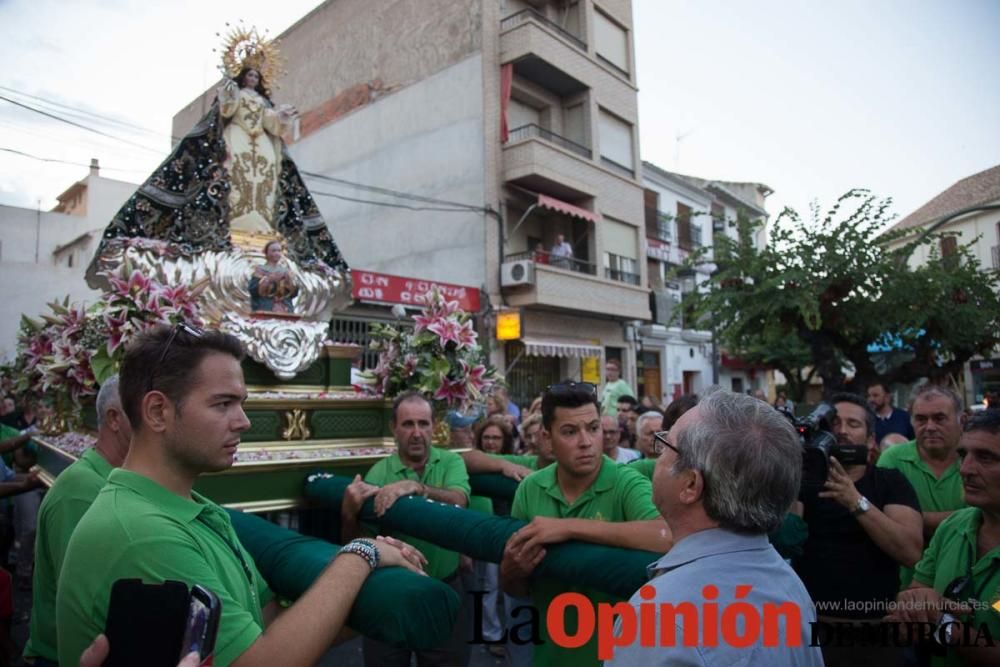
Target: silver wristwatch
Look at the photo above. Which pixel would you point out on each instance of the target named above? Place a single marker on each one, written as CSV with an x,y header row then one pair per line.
x,y
945,629
862,506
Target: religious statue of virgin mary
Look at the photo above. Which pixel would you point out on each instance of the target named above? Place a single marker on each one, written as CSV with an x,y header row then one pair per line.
x,y
227,190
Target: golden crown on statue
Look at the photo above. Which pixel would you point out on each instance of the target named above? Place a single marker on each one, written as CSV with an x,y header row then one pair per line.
x,y
244,47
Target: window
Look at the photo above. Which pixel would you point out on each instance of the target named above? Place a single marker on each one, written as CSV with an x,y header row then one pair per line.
x,y
520,114
611,42
684,226
718,218
949,250
620,251
619,238
696,235
616,141
651,205
622,269
575,124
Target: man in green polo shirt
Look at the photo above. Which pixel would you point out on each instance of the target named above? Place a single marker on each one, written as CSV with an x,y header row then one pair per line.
x,y
930,463
584,496
415,469
183,393
69,498
962,563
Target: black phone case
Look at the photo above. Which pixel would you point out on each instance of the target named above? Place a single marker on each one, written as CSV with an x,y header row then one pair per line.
x,y
145,624
214,605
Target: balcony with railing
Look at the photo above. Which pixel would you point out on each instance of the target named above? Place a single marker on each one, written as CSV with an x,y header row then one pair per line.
x,y
530,15
546,258
537,131
542,161
576,286
615,68
617,167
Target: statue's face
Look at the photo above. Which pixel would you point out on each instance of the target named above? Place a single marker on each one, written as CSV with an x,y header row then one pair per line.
x,y
251,79
273,253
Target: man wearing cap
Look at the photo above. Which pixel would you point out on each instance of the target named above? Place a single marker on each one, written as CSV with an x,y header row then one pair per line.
x,y
585,496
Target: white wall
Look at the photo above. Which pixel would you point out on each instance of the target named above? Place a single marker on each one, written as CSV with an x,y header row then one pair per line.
x,y
47,283
981,225
29,286
426,138
23,229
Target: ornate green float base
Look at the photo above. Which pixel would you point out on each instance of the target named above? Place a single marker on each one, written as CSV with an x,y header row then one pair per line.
x,y
314,423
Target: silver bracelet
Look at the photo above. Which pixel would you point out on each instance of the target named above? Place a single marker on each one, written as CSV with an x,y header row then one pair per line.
x,y
362,547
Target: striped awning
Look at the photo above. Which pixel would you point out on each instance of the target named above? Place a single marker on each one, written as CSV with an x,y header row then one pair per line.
x,y
560,206
557,347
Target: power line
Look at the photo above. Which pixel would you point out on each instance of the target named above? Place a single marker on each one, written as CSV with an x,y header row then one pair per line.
x,y
315,192
405,206
444,205
83,112
75,124
393,193
56,160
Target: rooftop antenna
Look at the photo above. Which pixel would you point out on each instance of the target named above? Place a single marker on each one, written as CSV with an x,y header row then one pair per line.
x,y
678,138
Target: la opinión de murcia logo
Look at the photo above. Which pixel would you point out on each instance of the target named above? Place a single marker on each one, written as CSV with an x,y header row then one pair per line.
x,y
737,624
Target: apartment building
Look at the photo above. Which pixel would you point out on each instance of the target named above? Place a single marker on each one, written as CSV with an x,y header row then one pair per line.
x,y
492,128
682,215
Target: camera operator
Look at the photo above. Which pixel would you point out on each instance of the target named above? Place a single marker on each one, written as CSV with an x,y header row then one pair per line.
x,y
863,524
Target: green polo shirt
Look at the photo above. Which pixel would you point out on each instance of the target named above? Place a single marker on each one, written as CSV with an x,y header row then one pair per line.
x,y
947,558
610,394
68,499
526,460
618,494
445,470
136,529
643,466
935,495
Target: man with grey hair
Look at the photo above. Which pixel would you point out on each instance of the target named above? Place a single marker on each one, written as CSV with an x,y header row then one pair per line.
x,y
730,469
646,425
69,498
931,463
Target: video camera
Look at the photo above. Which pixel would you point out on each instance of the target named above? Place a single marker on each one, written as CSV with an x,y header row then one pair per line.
x,y
819,444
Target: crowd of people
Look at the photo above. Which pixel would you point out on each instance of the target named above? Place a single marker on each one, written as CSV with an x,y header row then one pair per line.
x,y
711,486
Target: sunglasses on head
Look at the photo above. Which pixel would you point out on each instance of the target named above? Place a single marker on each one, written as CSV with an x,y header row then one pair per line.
x,y
571,387
178,328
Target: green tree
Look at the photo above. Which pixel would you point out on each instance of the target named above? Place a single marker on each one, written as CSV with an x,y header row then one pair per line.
x,y
823,291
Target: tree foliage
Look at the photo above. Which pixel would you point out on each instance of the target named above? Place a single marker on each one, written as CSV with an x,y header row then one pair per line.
x,y
821,292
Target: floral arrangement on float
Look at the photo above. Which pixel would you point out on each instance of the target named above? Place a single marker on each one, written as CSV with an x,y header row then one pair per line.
x,y
63,355
440,358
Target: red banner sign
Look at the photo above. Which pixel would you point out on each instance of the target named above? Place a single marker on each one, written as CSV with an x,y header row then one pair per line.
x,y
371,286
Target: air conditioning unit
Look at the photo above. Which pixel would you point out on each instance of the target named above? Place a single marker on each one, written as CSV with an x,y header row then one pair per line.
x,y
520,272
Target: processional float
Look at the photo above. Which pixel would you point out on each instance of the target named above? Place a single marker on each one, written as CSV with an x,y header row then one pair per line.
x,y
228,218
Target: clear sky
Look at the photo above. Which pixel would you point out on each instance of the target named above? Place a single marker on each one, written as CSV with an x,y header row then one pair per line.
x,y
812,98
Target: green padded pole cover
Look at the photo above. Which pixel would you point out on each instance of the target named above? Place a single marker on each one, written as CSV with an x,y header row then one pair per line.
x,y
394,605
612,570
493,485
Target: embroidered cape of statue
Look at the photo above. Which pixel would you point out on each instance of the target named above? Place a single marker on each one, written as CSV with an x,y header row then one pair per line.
x,y
184,206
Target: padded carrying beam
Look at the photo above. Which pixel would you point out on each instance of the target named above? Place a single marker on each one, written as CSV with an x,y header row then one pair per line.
x,y
612,570
394,605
